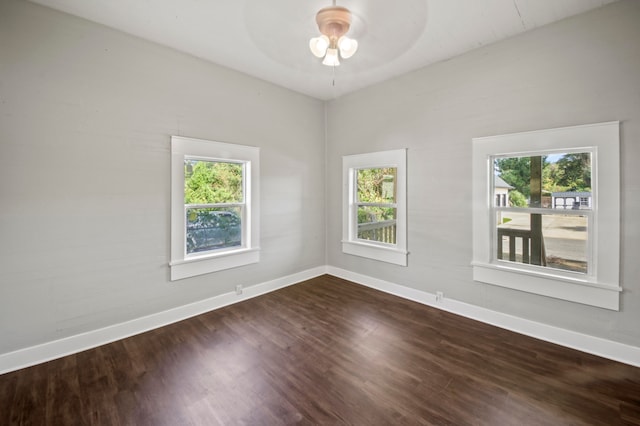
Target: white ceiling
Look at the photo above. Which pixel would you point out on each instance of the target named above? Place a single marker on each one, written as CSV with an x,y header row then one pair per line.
x,y
269,39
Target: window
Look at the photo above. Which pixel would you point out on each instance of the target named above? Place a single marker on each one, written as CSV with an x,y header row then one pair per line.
x,y
558,233
214,206
374,207
529,231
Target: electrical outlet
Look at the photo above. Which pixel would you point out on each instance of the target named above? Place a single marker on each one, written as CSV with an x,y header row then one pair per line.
x,y
239,289
439,296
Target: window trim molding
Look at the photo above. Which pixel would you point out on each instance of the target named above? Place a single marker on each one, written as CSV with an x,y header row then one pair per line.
x,y
601,288
391,253
183,265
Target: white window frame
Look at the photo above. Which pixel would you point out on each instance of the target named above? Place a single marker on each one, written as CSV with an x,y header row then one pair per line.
x,y
183,265
351,244
600,286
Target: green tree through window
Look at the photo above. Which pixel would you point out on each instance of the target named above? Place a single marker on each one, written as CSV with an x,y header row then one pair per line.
x,y
568,172
209,182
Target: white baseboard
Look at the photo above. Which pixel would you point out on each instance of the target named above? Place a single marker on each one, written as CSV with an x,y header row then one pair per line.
x,y
33,355
594,345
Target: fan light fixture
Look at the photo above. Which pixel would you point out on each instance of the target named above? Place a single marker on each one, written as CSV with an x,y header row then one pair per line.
x,y
333,23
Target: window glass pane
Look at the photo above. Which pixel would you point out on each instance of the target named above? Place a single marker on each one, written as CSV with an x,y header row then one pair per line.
x,y
209,182
377,224
552,240
376,185
555,181
213,229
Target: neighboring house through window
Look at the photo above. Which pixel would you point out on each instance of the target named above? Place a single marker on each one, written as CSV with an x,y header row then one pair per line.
x,y
214,206
501,191
552,239
571,200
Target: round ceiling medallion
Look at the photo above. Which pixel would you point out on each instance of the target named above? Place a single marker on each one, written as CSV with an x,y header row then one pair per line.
x,y
281,30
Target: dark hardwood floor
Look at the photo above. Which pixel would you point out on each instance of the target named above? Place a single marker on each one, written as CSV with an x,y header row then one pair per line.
x,y
325,351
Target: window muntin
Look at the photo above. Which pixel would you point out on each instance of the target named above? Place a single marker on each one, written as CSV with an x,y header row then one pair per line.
x,y
376,204
539,227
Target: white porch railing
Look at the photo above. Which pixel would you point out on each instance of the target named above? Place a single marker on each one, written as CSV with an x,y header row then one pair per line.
x,y
383,231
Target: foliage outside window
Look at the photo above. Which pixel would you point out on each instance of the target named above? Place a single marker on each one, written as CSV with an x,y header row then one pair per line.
x,y
214,219
559,234
374,209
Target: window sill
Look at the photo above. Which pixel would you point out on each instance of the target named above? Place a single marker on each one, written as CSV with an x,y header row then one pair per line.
x,y
560,287
213,262
377,252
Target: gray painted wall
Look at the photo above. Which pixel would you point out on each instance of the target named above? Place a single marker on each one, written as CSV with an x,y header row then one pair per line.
x,y
86,115
85,118
582,70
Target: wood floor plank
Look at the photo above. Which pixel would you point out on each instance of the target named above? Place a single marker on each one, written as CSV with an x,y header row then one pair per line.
x,y
29,402
325,351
